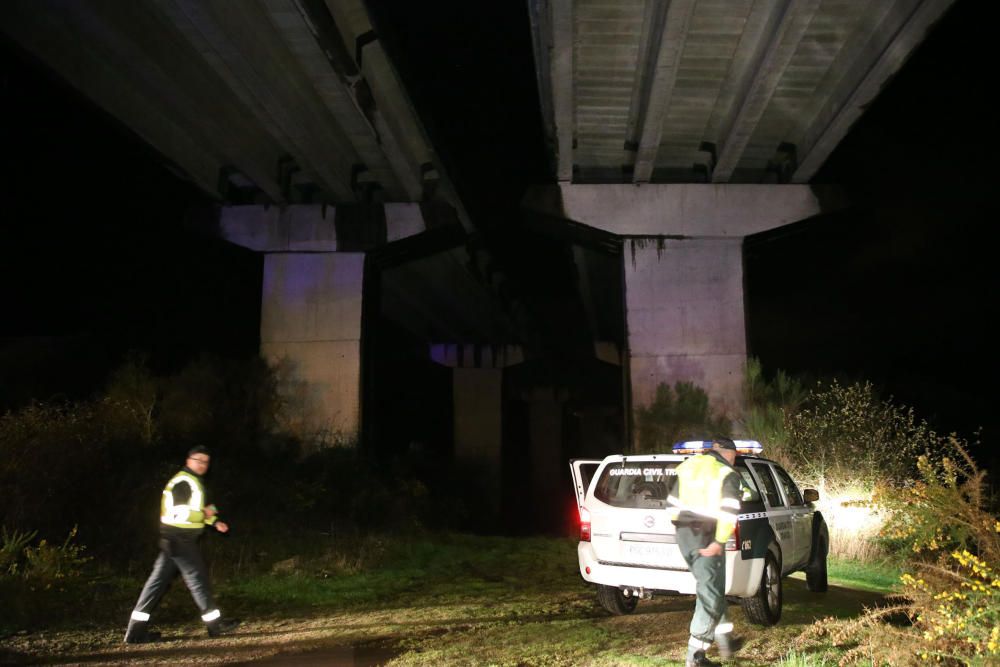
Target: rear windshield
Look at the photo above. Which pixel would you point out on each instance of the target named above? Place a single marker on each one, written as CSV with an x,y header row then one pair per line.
x,y
646,485
640,485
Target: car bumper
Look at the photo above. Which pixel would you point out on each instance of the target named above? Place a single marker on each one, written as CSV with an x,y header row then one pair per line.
x,y
742,576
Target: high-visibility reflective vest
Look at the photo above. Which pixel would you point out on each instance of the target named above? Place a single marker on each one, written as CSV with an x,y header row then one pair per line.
x,y
706,490
190,514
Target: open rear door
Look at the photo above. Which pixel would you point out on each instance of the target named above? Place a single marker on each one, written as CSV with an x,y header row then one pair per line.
x,y
583,471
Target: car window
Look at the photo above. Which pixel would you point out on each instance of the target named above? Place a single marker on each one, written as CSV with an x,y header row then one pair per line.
x,y
791,491
750,492
770,486
640,485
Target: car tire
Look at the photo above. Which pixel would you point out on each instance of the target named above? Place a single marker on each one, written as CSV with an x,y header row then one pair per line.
x,y
764,607
614,601
816,579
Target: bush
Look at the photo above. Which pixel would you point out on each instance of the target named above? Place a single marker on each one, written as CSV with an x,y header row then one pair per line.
x,y
54,465
769,403
44,564
12,546
681,413
847,435
951,595
47,563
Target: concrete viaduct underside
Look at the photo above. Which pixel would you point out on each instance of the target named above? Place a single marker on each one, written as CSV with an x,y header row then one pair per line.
x,y
674,130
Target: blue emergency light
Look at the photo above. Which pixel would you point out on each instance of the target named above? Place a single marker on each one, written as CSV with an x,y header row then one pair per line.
x,y
698,446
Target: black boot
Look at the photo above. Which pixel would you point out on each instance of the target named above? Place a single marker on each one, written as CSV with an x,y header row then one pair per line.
x,y
698,659
139,633
728,645
221,626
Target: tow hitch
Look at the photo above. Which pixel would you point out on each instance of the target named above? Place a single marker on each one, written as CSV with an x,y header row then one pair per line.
x,y
640,593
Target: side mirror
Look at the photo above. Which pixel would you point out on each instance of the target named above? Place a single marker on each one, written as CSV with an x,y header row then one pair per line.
x,y
810,495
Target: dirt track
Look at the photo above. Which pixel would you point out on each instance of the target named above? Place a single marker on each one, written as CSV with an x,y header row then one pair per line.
x,y
481,629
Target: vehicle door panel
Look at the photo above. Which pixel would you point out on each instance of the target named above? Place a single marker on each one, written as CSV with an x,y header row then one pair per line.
x,y
802,515
778,513
583,472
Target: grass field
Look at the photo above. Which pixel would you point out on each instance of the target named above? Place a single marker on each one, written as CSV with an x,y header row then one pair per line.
x,y
443,600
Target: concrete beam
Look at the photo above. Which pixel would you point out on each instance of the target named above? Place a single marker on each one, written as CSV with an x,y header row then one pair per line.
x,y
789,19
410,297
52,38
473,355
403,138
300,34
746,59
889,46
690,210
239,44
305,227
664,43
160,64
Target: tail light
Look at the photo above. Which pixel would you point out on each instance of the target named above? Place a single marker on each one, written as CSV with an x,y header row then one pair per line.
x,y
733,543
584,525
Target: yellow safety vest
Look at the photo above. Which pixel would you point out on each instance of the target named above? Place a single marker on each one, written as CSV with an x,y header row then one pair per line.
x,y
701,480
184,515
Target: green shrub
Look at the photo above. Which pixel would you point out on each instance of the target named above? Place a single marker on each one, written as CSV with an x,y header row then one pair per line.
x,y
131,399
943,524
47,563
12,546
54,465
848,435
44,564
676,414
768,405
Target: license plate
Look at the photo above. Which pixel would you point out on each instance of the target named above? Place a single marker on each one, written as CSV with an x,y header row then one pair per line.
x,y
646,550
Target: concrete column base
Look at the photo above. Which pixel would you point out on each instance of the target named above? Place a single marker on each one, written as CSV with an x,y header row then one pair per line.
x,y
478,396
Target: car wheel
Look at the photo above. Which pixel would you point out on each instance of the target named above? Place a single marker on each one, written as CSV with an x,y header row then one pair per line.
x,y
764,607
614,601
816,572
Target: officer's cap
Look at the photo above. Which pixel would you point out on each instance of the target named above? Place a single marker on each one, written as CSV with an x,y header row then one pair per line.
x,y
724,443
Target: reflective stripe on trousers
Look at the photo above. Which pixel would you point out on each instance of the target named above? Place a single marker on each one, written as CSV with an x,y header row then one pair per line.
x,y
176,555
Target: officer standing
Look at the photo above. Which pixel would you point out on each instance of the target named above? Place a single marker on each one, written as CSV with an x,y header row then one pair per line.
x,y
183,517
705,509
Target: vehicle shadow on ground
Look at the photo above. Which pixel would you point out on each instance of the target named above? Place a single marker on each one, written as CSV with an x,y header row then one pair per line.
x,y
838,601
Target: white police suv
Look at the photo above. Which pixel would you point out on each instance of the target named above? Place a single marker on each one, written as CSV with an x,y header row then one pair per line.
x,y
627,542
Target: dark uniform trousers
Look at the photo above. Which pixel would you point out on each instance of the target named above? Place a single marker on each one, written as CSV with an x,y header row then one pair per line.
x,y
179,552
710,575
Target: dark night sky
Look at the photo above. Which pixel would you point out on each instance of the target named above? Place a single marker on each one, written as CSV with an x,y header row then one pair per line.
x,y
900,288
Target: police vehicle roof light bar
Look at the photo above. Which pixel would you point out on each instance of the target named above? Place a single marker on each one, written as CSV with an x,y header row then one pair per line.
x,y
697,446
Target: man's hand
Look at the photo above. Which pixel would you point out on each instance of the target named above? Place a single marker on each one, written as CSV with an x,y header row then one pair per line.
x,y
713,549
221,526
211,510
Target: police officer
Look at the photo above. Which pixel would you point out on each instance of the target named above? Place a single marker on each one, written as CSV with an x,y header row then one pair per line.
x,y
704,508
183,517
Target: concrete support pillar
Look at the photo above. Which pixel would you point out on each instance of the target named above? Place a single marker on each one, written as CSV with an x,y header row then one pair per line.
x,y
545,419
684,309
478,396
683,272
311,331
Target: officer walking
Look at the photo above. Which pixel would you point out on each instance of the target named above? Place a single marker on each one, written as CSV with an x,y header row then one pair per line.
x,y
183,517
705,509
